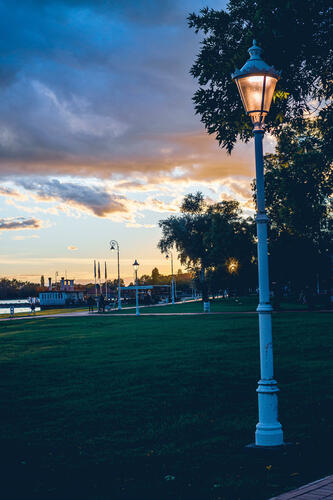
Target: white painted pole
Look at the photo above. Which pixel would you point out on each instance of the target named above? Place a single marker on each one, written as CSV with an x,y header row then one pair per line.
x,y
119,293
269,430
114,245
137,293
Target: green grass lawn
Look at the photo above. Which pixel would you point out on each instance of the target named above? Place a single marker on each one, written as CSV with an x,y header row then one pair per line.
x,y
231,305
239,304
159,407
45,312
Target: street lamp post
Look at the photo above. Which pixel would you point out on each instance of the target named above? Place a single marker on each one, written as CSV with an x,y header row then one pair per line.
x,y
256,83
114,245
136,267
172,282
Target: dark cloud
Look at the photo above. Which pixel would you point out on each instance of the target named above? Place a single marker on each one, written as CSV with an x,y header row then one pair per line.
x,y
96,87
173,157
6,191
147,12
95,199
19,223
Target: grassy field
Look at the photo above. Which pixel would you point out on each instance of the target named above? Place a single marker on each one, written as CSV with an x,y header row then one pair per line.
x,y
159,407
217,305
46,312
239,304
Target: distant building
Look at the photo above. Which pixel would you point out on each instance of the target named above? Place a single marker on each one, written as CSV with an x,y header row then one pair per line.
x,y
61,294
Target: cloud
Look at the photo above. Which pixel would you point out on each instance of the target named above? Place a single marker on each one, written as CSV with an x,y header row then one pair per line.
x,y
11,193
19,223
96,111
237,186
72,248
95,199
162,206
5,191
102,89
135,186
75,197
137,225
75,115
26,237
98,199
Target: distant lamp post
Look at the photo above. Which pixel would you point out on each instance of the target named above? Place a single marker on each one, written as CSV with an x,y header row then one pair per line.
x,y
256,83
114,245
172,282
136,267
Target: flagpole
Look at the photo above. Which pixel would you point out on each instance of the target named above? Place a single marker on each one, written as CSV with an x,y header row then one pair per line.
x,y
106,280
95,278
99,276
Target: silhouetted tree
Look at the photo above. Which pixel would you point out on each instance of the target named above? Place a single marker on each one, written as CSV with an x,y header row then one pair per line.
x,y
299,186
296,37
113,284
13,289
206,235
155,276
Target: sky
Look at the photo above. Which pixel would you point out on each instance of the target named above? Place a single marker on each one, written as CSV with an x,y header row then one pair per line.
x,y
98,135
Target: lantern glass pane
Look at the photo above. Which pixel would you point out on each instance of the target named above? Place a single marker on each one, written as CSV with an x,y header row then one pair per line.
x,y
269,91
251,89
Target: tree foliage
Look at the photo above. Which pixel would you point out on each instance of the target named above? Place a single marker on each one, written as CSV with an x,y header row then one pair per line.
x,y
205,235
15,289
299,186
183,280
296,38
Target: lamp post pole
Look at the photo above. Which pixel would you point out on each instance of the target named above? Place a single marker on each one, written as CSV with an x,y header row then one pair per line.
x,y
114,245
172,281
268,430
256,83
136,267
137,312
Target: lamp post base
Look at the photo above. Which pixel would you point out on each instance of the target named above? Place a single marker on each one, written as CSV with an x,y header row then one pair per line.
x,y
269,436
268,430
207,307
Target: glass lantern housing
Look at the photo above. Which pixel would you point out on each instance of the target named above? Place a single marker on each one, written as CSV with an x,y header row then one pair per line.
x,y
256,83
136,265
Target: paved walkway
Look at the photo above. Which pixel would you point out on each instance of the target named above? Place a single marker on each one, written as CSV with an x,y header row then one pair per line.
x,y
314,491
41,316
86,313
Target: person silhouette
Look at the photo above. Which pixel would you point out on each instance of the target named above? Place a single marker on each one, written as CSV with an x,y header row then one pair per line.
x,y
101,304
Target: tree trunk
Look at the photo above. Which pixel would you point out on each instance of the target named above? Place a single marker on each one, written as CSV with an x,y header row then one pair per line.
x,y
204,286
